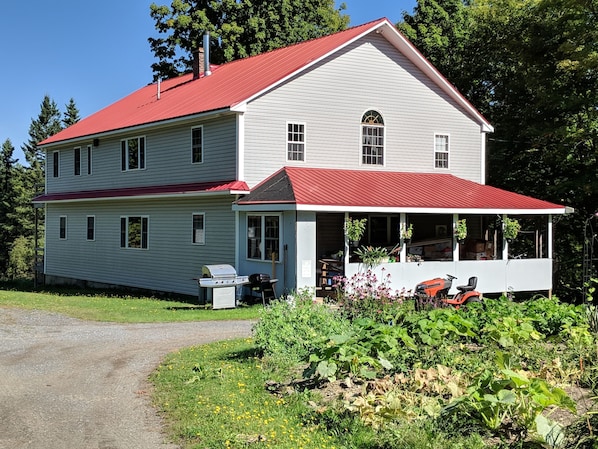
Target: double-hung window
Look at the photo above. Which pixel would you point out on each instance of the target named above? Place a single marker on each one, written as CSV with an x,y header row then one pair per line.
x,y
197,145
55,164
77,159
295,141
91,227
62,228
199,229
372,138
89,151
134,232
133,154
441,151
263,237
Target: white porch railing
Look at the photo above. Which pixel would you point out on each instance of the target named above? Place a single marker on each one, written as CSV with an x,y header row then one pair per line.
x,y
494,276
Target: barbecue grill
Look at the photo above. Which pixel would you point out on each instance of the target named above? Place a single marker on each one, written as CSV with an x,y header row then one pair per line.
x,y
263,285
220,282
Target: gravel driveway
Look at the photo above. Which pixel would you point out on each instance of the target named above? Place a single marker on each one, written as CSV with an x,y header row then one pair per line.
x,y
72,384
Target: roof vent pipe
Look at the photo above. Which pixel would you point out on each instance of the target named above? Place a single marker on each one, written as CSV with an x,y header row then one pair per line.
x,y
206,52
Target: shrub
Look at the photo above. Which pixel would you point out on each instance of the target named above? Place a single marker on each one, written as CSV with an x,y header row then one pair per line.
x,y
289,330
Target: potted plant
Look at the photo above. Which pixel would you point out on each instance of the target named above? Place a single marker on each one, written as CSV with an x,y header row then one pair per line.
x,y
511,228
461,230
372,256
354,229
406,232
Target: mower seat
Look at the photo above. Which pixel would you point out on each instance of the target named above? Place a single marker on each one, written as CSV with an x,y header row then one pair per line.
x,y
471,285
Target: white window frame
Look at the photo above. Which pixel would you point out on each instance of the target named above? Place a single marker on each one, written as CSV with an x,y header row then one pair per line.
x,y
363,156
445,151
93,217
89,159
196,237
126,218
296,144
261,245
56,164
63,219
201,145
77,161
141,153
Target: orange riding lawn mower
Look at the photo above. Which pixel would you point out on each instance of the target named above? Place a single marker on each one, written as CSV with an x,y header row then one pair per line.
x,y
434,293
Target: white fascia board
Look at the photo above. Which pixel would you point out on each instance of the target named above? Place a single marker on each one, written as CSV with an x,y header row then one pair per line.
x,y
147,197
407,210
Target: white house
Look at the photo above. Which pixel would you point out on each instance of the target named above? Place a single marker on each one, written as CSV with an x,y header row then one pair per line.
x,y
256,163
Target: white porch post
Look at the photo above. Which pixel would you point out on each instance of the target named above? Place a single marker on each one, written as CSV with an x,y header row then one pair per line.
x,y
402,225
505,244
550,243
306,260
456,245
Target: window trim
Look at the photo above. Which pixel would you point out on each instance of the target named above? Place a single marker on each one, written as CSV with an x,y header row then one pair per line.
x,y
61,228
293,142
93,229
201,147
77,161
362,126
447,151
56,164
141,153
124,232
193,235
262,247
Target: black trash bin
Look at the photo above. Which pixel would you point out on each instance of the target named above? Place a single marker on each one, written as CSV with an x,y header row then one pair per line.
x,y
263,285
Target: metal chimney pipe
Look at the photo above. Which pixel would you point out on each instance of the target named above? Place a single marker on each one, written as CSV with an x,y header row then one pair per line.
x,y
206,53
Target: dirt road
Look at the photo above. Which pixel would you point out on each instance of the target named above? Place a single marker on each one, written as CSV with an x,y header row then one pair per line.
x,y
72,384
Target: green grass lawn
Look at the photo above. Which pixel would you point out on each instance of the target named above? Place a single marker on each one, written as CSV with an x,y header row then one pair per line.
x,y
100,306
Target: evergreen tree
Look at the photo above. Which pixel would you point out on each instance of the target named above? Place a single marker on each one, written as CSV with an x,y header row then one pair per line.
x,y
7,203
71,114
238,28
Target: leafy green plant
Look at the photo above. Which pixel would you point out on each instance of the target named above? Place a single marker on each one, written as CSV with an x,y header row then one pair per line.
x,y
511,403
291,330
355,228
511,228
372,256
406,231
461,229
509,331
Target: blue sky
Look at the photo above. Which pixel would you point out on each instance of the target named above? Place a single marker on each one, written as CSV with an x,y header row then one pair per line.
x,y
94,52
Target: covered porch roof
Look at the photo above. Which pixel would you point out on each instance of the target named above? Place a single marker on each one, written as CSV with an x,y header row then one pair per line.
x,y
334,190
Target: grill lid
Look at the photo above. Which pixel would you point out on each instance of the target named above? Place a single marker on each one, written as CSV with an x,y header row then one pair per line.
x,y
220,271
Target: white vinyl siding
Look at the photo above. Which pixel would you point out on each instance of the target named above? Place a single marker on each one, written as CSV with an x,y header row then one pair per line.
x,y
408,101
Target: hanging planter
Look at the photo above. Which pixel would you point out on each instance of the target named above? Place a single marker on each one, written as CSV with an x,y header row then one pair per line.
x,y
406,232
354,229
511,228
461,230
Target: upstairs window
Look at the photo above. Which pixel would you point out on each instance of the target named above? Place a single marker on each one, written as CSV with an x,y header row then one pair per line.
x,y
441,151
197,145
55,164
89,159
77,158
134,232
133,154
295,141
372,138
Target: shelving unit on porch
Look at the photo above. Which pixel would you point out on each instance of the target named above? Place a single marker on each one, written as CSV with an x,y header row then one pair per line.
x,y
328,269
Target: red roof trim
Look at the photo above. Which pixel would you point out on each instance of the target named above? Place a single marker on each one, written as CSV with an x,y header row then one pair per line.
x,y
224,187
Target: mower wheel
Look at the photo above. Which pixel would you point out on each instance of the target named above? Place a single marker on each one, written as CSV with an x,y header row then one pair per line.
x,y
473,299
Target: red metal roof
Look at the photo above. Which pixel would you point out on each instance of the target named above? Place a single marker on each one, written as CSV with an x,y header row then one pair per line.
x,y
228,85
382,189
167,190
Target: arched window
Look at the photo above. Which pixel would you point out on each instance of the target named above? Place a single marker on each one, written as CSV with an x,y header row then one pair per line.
x,y
372,138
